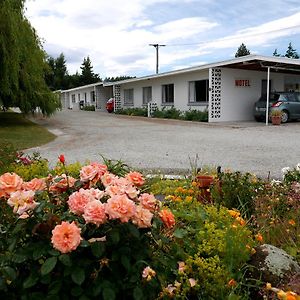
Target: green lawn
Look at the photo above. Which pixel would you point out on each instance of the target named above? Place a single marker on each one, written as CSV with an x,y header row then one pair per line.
x,y
22,133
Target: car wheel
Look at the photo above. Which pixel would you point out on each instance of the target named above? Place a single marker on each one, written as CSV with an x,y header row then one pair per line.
x,y
284,116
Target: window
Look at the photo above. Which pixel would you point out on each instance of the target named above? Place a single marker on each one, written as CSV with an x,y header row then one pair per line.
x,y
93,96
198,91
73,98
168,93
78,97
147,94
128,97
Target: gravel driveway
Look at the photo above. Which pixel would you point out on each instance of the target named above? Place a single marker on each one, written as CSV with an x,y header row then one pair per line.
x,y
170,145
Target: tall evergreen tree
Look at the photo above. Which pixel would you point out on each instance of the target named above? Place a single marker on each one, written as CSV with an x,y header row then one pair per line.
x,y
242,51
61,77
275,53
22,63
291,52
87,74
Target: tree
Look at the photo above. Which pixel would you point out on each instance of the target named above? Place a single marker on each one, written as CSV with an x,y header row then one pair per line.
x,y
23,64
87,74
242,51
275,53
291,52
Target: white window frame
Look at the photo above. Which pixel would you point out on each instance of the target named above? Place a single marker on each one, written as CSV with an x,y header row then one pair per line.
x,y
192,98
128,96
73,98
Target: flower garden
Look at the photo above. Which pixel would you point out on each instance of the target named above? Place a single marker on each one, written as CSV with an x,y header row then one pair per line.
x,y
104,231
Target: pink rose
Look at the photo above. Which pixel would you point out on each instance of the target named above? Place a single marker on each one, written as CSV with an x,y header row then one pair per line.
x,y
22,201
89,173
101,169
108,179
66,237
131,192
78,201
94,212
148,201
9,183
120,207
113,190
61,183
36,184
142,217
136,178
96,193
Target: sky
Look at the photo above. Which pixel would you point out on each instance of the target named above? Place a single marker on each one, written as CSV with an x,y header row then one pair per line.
x,y
116,34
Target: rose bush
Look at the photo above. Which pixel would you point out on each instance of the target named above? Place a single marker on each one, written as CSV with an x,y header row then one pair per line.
x,y
92,237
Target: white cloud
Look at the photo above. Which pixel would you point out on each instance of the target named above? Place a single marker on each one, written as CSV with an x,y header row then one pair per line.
x,y
117,34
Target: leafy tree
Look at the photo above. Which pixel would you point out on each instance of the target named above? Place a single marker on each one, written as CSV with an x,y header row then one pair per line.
x,y
22,63
242,51
87,74
291,52
61,77
74,80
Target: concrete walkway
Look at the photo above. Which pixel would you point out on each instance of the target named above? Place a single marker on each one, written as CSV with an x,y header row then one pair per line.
x,y
171,145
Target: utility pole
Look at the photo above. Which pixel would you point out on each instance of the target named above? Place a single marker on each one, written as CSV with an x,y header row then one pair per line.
x,y
156,46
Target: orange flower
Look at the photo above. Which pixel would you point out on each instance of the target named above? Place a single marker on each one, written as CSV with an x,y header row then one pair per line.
x,y
9,183
259,237
136,178
167,217
36,184
292,222
231,282
66,237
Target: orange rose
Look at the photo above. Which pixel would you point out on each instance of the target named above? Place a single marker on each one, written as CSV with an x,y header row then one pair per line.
x,y
36,184
9,183
136,178
167,217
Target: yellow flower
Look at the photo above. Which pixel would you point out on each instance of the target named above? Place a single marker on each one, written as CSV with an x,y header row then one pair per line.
x,y
268,286
194,184
234,213
281,295
188,198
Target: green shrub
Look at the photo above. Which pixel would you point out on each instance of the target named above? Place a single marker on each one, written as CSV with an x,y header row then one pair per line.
x,y
8,155
212,247
133,111
291,175
167,113
89,107
236,190
196,115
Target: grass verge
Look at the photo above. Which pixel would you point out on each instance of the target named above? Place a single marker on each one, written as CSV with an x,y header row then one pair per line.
x,y
22,133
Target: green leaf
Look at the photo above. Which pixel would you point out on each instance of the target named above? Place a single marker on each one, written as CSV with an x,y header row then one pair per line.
x,y
134,231
108,294
125,262
65,260
38,253
179,233
54,287
115,236
19,258
84,244
76,291
48,265
30,281
98,249
10,273
78,276
138,293
54,252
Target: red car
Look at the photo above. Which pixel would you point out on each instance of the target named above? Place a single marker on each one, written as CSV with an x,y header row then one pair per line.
x,y
110,104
